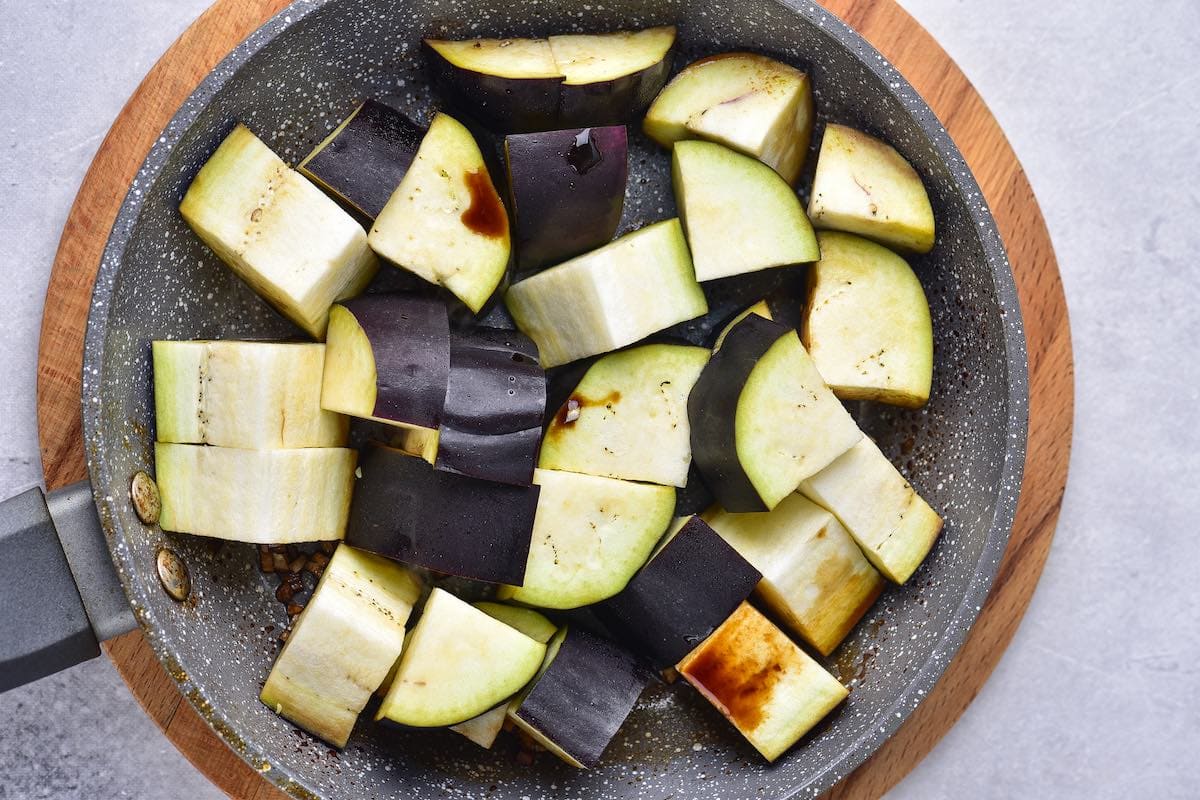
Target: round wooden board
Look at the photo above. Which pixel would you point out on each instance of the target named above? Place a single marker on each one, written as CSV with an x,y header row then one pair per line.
x,y
899,37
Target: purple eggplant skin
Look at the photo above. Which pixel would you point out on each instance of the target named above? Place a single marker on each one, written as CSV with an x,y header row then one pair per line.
x,y
410,339
614,101
712,412
681,596
509,105
584,696
695,497
566,191
504,457
408,511
366,161
496,384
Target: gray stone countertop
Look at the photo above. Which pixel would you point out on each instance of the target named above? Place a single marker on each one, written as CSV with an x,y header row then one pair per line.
x,y
1099,695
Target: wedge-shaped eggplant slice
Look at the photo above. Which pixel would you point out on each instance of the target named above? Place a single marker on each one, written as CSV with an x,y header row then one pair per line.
x,y
688,588
254,395
815,578
762,418
259,496
484,729
892,524
590,536
627,418
459,663
611,297
584,691
445,223
566,191
405,509
525,85
387,358
867,324
740,216
761,308
750,103
365,157
863,186
769,688
495,403
277,232
343,644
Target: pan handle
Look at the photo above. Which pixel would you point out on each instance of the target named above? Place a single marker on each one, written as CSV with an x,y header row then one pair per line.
x,y
59,592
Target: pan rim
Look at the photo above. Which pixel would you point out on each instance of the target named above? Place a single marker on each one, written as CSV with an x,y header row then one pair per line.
x,y
964,184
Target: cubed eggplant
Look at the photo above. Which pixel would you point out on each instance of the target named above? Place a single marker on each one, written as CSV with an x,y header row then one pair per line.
x,y
611,77
405,509
686,590
762,418
586,689
566,191
365,157
503,457
387,358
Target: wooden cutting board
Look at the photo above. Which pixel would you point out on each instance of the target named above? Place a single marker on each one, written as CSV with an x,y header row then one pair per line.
x,y
968,120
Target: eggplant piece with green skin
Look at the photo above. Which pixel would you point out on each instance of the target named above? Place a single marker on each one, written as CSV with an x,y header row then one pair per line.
x,y
365,157
863,185
280,234
815,578
867,323
627,418
740,216
253,395
361,602
590,535
685,591
566,191
525,85
405,509
532,623
576,704
762,418
387,358
445,222
459,663
603,300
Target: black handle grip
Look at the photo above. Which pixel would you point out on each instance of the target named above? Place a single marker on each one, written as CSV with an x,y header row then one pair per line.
x,y
59,593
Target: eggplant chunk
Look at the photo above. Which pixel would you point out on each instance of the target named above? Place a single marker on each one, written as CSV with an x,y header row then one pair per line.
x,y
892,524
740,216
769,688
343,644
761,308
459,663
387,358
867,324
762,418
484,729
405,509
577,702
280,234
750,103
590,535
863,186
815,578
445,222
253,395
365,157
566,191
627,418
611,77
529,622
258,496
688,588
611,297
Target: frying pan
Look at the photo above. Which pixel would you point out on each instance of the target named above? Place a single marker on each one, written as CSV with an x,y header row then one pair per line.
x,y
291,81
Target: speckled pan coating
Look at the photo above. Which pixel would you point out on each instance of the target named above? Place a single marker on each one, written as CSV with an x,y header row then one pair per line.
x,y
291,82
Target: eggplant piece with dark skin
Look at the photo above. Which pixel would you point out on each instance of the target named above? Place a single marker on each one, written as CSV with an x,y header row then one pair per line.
x,y
591,94
387,357
686,590
566,191
586,690
364,159
406,510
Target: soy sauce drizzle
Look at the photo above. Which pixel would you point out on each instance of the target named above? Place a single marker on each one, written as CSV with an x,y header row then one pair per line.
x,y
485,215
584,153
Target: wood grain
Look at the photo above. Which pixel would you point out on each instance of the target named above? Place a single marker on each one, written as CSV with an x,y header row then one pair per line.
x,y
968,120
